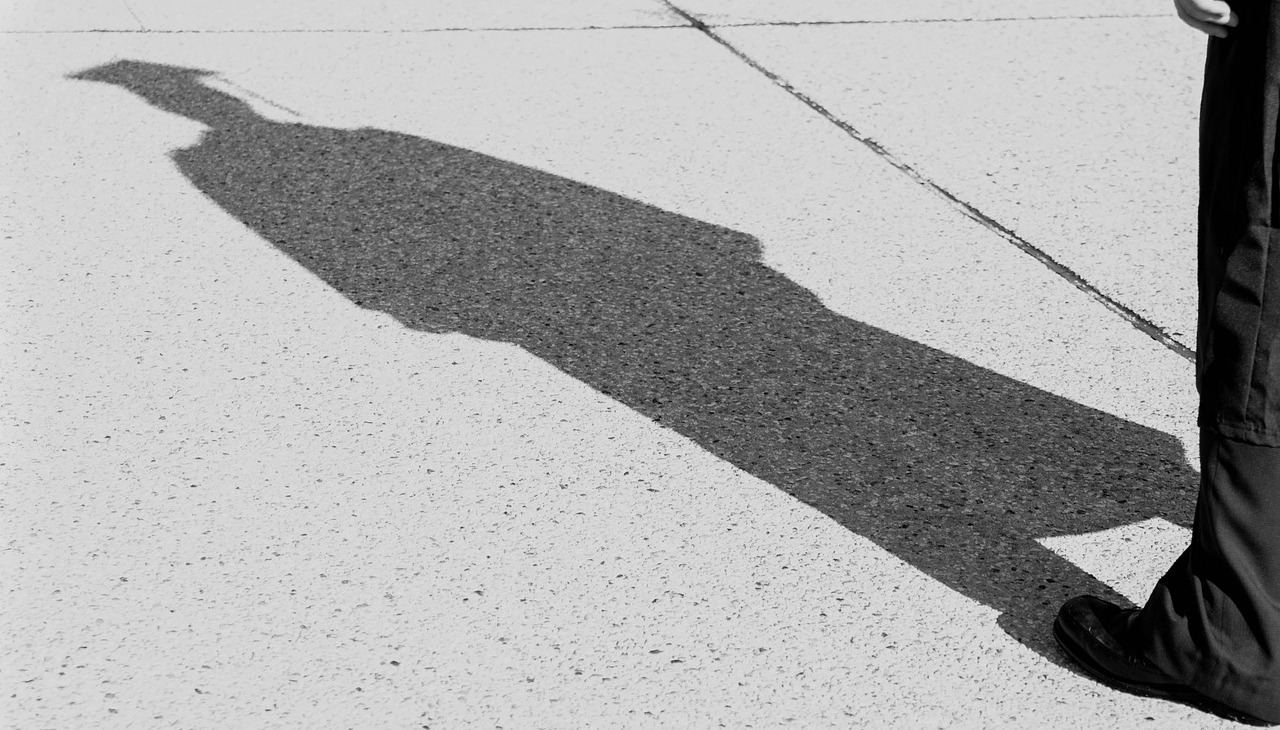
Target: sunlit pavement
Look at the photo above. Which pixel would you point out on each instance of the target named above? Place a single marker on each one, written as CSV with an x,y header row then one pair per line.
x,y
242,491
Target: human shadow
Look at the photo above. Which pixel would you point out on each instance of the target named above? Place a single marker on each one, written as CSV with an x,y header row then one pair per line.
x,y
953,468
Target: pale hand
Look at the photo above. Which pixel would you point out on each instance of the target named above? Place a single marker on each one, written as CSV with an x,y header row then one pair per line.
x,y
1211,16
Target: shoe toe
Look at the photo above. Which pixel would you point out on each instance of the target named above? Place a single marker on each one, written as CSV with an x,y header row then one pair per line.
x,y
1091,631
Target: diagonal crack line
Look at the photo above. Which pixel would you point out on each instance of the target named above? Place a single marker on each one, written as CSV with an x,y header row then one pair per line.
x,y
141,26
1136,320
257,96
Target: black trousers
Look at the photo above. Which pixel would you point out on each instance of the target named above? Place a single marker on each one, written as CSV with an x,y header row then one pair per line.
x,y
1213,620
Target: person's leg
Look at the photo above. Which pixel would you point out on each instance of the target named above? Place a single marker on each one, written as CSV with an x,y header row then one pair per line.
x,y
1213,621
1237,351
1211,629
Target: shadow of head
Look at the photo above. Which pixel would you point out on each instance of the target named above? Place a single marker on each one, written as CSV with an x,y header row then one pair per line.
x,y
953,468
140,76
174,89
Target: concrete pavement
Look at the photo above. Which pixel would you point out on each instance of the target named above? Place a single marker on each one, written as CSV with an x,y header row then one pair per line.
x,y
247,491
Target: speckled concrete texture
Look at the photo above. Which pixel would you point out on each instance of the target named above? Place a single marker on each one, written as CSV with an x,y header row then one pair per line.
x,y
573,378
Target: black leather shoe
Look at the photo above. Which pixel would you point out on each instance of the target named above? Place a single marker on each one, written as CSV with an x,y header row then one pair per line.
x,y
1092,631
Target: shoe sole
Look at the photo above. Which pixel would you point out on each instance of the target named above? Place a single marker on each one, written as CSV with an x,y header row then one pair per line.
x,y
1180,694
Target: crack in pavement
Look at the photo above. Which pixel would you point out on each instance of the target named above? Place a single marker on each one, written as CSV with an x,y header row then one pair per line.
x,y
892,21
972,212
141,25
689,21
250,31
